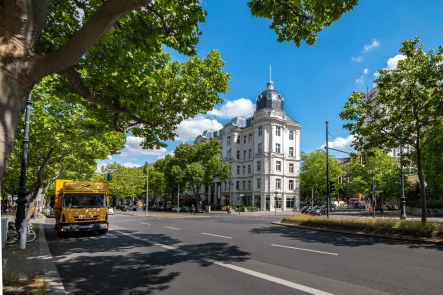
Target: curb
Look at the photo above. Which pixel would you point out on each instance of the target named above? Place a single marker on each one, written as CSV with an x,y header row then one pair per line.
x,y
438,242
54,285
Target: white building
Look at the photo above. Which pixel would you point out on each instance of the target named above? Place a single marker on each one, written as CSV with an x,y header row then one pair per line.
x,y
264,154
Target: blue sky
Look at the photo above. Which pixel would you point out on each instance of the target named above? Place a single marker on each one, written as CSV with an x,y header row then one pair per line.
x,y
314,80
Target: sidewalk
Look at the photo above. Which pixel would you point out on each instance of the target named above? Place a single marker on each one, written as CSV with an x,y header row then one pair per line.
x,y
33,262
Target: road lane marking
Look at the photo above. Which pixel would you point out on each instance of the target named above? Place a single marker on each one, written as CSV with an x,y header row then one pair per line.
x,y
213,220
216,236
144,223
302,249
270,278
171,227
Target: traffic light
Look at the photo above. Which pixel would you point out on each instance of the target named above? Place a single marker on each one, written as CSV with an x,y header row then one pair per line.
x,y
428,193
109,176
331,186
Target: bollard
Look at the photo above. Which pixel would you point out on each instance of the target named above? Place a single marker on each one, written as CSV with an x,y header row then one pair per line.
x,y
23,234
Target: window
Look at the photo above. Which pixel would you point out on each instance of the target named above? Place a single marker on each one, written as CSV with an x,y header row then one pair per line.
x,y
260,149
278,166
244,169
238,139
260,131
290,202
238,154
291,151
244,184
278,183
250,153
237,185
258,182
238,169
244,139
249,169
250,137
291,168
291,184
278,131
291,135
228,140
249,184
258,165
244,154
228,154
277,148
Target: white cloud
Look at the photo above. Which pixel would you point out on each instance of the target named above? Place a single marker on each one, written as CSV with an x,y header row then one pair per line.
x,y
375,43
393,61
162,156
133,148
109,157
189,129
130,165
340,143
361,79
241,107
357,59
376,74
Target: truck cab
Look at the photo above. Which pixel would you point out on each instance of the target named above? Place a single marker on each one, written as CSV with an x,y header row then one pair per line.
x,y
81,206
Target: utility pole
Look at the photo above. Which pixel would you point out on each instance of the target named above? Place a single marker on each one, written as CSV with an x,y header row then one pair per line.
x,y
22,192
327,170
312,196
373,190
403,197
147,188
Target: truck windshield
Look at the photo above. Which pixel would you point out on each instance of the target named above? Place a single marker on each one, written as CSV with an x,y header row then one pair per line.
x,y
85,201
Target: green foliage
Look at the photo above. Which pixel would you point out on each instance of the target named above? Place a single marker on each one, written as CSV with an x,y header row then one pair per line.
x,y
126,182
300,20
432,163
405,109
65,140
313,173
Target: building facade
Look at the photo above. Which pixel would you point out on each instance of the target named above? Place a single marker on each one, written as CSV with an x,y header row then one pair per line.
x,y
264,155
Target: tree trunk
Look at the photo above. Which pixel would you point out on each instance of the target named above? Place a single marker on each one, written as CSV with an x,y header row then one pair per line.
x,y
421,178
12,102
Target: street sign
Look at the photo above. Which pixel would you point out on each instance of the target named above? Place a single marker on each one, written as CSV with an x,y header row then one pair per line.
x,y
242,195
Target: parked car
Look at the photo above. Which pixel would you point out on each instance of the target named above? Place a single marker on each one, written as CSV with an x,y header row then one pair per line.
x,y
110,211
49,212
316,211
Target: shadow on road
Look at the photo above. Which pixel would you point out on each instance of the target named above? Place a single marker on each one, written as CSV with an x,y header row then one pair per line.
x,y
120,264
336,239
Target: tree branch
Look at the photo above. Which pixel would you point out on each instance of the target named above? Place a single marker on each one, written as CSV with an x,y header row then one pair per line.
x,y
76,82
294,11
97,25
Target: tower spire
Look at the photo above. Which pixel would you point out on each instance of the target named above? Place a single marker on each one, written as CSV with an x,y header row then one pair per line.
x,y
270,72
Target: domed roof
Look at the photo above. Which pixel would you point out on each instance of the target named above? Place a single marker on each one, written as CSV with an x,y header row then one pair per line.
x,y
270,99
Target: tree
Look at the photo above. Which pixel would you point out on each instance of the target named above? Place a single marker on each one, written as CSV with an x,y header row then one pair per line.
x,y
405,109
313,172
432,159
65,141
109,53
126,182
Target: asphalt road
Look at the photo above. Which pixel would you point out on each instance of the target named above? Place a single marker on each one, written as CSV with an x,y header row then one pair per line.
x,y
239,254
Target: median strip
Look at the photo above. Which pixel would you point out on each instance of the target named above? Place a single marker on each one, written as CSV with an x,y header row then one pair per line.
x,y
302,249
216,236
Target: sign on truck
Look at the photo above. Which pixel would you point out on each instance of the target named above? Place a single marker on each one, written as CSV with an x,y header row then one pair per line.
x,y
81,206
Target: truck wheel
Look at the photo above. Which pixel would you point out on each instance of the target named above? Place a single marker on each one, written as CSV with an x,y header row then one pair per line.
x,y
102,232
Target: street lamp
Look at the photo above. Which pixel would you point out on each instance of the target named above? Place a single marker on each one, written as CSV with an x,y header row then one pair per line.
x,y
403,197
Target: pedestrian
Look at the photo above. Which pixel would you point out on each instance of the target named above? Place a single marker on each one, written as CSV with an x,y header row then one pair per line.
x,y
193,209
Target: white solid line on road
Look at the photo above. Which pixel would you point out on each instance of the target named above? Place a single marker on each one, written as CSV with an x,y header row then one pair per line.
x,y
212,220
302,249
271,278
171,227
216,236
144,223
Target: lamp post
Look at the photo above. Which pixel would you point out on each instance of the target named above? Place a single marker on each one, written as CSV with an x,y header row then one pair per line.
x,y
403,197
22,192
147,188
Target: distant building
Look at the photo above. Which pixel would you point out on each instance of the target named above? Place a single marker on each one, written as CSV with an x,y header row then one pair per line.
x,y
264,155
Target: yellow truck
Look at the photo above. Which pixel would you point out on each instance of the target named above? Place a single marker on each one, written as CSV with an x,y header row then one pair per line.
x,y
81,206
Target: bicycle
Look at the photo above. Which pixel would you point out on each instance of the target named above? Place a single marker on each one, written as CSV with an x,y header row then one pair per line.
x,y
13,235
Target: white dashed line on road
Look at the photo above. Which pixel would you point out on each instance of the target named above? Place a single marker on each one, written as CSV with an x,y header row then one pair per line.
x,y
302,249
144,223
213,220
171,227
216,236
